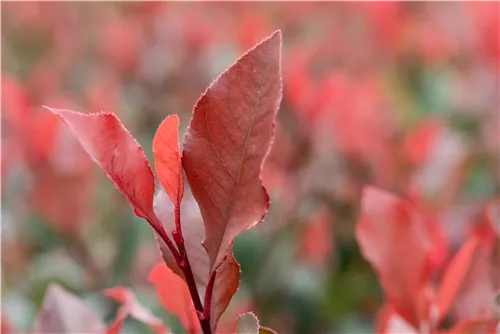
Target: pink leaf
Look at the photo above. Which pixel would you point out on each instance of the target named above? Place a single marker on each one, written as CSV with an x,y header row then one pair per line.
x,y
119,155
174,295
228,140
393,238
168,158
63,312
131,307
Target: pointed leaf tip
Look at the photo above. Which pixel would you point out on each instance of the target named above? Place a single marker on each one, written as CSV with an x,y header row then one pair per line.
x,y
118,154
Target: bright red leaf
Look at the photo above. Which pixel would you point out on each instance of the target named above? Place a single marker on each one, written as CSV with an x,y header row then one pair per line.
x,y
229,138
168,158
393,238
174,295
455,274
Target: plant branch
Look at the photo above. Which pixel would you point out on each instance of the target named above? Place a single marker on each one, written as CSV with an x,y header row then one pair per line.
x,y
183,263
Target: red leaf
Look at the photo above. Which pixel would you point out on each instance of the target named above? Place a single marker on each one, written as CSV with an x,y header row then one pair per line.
x,y
168,158
63,312
476,298
174,295
392,237
227,279
475,326
131,307
389,322
454,275
228,140
122,159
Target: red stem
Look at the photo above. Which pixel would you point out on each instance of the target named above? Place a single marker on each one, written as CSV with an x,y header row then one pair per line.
x,y
208,295
183,263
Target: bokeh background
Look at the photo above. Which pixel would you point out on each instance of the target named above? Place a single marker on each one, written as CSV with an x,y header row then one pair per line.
x,y
404,96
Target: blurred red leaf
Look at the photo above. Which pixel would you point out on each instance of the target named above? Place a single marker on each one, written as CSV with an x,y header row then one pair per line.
x,y
119,155
317,238
174,295
393,238
454,275
168,158
63,312
476,326
227,142
476,298
131,307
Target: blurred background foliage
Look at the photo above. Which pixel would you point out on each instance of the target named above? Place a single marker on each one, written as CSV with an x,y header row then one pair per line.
x,y
402,95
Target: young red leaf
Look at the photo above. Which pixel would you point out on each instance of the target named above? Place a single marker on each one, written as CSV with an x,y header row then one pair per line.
x,y
229,138
454,275
168,158
63,312
392,237
131,307
227,280
119,155
174,295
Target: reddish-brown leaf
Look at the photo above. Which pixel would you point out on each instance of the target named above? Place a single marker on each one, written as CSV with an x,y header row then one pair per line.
x,y
119,155
454,275
227,280
228,140
131,307
63,312
168,158
174,295
393,238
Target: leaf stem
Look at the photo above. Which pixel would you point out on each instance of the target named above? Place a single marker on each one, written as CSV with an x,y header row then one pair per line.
x,y
183,263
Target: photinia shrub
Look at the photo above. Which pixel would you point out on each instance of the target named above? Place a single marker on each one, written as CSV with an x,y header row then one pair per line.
x,y
396,240
223,152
